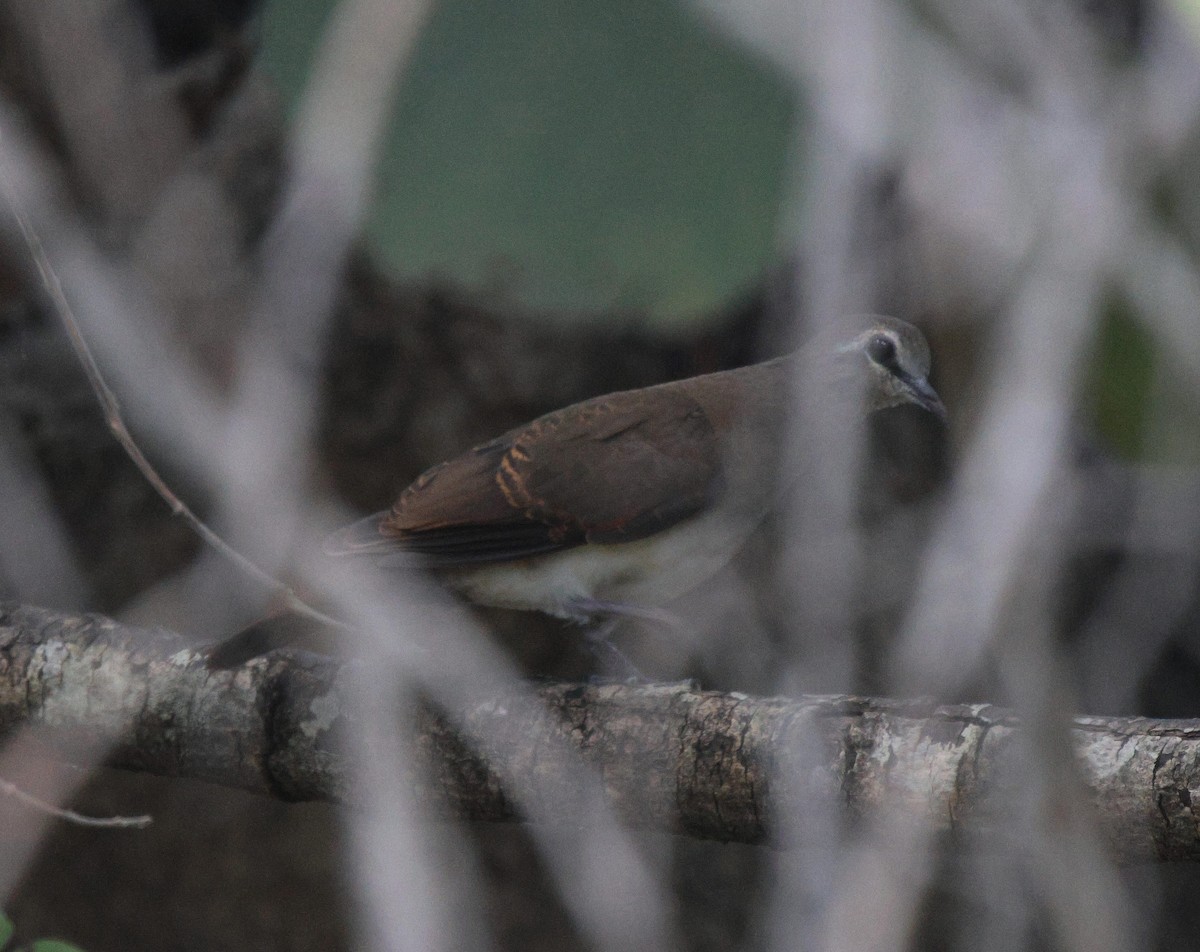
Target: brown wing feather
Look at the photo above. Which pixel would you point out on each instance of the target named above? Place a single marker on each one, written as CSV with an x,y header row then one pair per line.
x,y
611,471
461,491
606,470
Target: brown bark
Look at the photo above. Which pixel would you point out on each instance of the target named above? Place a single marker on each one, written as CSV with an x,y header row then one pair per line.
x,y
708,765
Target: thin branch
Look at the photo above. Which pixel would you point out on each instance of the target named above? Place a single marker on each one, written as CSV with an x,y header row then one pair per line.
x,y
116,424
9,789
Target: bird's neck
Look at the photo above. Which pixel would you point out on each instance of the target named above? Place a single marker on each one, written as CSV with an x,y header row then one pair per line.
x,y
752,409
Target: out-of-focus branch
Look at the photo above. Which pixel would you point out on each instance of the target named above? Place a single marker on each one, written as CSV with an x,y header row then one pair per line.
x,y
704,764
116,423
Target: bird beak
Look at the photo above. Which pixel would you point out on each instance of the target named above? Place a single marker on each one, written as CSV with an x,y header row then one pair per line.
x,y
924,395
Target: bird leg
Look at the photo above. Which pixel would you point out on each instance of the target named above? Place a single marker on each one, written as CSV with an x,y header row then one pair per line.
x,y
613,662
599,637
588,608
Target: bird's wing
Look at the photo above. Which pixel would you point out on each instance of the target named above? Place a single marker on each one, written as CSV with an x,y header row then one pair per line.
x,y
607,470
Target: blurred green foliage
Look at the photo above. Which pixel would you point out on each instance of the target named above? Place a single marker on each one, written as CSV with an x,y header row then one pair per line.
x,y
7,929
1140,405
572,157
1120,379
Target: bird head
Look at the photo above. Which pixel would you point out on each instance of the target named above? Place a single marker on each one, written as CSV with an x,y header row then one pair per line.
x,y
896,359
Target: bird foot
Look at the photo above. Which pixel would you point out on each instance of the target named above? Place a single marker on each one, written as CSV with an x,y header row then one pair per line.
x,y
615,666
613,662
583,610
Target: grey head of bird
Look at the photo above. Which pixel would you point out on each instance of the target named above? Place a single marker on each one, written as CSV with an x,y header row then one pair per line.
x,y
896,360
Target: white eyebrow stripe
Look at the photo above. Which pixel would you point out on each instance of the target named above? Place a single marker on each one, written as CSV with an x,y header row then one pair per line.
x,y
857,343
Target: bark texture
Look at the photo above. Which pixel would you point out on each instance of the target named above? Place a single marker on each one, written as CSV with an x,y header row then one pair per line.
x,y
717,766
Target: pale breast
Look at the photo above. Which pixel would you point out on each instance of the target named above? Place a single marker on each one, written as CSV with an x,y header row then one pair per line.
x,y
646,573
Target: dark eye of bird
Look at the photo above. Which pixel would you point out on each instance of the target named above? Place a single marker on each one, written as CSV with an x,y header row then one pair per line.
x,y
882,350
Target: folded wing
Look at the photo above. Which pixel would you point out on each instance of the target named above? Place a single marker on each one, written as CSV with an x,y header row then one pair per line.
x,y
613,469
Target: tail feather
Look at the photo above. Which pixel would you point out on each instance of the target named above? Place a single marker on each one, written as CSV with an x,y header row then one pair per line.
x,y
364,537
373,539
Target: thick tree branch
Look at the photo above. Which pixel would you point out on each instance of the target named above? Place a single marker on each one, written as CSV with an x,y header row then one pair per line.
x,y
710,765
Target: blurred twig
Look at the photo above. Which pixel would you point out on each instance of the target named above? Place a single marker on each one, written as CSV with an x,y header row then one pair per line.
x,y
103,822
116,425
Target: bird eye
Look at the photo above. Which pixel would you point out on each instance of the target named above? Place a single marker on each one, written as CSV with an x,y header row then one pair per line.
x,y
882,350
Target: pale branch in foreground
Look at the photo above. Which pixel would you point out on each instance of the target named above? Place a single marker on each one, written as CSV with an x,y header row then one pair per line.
x,y
720,766
116,421
78,819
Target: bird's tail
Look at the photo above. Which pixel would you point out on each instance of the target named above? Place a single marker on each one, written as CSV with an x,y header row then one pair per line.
x,y
367,539
364,537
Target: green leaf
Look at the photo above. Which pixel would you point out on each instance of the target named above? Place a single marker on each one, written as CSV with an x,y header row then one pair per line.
x,y
1141,404
6,930
1121,375
573,159
54,945
1189,12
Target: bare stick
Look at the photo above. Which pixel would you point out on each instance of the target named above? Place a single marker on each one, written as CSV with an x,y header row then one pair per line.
x,y
116,424
10,789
